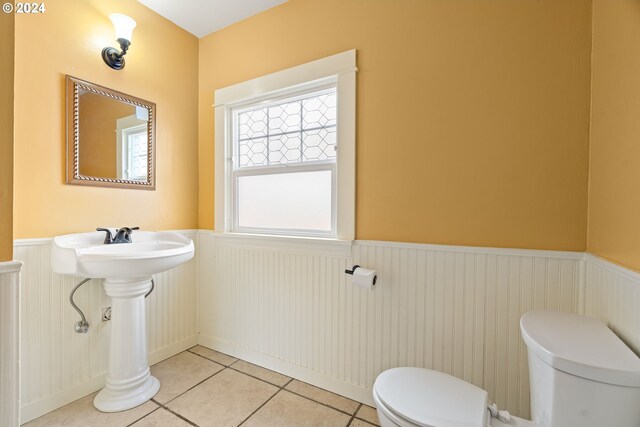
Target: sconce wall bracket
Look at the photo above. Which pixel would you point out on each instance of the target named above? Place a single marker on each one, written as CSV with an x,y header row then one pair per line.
x,y
113,58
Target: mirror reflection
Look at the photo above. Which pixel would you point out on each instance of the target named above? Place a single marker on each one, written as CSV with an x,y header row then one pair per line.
x,y
110,137
113,135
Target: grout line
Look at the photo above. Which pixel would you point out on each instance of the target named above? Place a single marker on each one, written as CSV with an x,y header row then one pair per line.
x,y
265,402
292,392
258,378
280,388
174,413
354,415
324,404
190,388
211,360
296,393
144,416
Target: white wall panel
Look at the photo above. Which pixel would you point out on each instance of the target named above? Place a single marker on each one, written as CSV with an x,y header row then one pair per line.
x,y
9,343
612,293
454,309
289,306
60,365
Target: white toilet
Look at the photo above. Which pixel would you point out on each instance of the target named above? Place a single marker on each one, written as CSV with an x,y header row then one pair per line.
x,y
581,375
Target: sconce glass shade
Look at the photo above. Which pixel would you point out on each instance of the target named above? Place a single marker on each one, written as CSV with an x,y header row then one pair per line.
x,y
124,26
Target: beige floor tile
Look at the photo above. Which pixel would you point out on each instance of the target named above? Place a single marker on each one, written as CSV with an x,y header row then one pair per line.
x,y
368,413
359,423
223,400
323,396
262,373
82,413
161,418
290,410
179,373
216,356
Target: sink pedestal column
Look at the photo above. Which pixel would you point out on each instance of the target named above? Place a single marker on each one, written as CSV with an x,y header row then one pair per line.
x,y
129,380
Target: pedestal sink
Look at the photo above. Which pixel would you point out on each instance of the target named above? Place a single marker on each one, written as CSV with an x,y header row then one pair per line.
x,y
126,269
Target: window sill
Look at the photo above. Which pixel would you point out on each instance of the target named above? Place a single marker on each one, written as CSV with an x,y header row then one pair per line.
x,y
297,244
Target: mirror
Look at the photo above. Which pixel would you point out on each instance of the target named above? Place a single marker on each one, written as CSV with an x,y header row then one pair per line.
x,y
110,137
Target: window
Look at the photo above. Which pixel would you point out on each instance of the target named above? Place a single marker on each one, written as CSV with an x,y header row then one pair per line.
x,y
132,146
284,165
285,152
134,153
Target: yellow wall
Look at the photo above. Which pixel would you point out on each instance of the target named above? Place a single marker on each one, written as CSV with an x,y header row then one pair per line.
x,y
7,23
614,181
473,116
162,67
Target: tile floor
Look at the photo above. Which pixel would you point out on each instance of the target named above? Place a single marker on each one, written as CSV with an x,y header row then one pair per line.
x,y
202,387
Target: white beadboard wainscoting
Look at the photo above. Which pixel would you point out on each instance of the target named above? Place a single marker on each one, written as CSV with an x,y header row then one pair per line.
x,y
59,365
286,304
9,343
612,293
291,308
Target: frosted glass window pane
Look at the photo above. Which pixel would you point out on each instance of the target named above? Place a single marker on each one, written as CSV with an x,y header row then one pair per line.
x,y
294,201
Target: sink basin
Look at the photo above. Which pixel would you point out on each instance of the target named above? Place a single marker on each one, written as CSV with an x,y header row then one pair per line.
x,y
126,269
84,254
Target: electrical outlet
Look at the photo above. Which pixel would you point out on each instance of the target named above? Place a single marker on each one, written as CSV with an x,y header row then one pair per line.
x,y
106,314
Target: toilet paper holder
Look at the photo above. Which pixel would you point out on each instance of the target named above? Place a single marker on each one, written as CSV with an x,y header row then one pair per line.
x,y
375,278
352,269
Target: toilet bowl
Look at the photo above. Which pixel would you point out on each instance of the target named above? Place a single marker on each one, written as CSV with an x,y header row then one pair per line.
x,y
582,375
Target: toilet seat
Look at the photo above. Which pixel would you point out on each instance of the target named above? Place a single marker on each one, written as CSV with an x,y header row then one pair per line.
x,y
427,398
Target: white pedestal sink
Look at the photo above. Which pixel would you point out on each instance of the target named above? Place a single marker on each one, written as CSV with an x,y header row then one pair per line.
x,y
127,270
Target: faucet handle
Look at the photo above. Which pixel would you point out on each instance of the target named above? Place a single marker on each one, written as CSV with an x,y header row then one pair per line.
x,y
109,237
128,230
123,235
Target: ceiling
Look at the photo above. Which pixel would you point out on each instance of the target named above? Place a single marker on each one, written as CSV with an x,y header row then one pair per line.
x,y
201,17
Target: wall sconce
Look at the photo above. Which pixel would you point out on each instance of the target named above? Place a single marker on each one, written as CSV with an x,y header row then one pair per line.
x,y
124,26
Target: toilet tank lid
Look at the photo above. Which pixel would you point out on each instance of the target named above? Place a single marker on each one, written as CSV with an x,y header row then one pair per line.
x,y
581,346
430,398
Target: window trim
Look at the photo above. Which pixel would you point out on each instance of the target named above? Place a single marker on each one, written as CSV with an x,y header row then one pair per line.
x,y
339,69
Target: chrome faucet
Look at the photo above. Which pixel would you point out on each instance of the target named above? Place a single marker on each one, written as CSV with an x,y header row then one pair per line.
x,y
123,235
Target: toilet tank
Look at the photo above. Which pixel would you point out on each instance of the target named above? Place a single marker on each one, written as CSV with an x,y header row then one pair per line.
x,y
581,373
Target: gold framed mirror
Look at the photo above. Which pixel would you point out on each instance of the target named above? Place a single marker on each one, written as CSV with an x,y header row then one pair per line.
x,y
110,137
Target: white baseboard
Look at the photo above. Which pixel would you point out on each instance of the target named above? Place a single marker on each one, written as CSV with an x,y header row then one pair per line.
x,y
172,350
289,369
55,401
